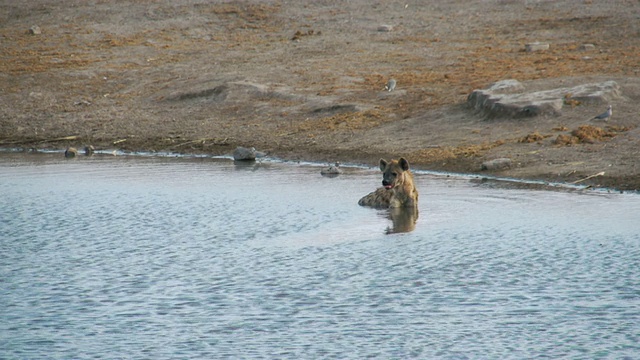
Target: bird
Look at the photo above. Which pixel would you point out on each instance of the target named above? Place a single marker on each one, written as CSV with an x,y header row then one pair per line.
x,y
88,150
390,85
71,152
605,115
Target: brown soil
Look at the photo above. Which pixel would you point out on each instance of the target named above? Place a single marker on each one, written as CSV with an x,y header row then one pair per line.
x,y
304,80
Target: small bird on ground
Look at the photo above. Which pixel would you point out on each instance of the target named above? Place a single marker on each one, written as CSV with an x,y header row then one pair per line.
x,y
605,115
390,85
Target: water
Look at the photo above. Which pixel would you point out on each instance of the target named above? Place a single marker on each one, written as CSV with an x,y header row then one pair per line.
x,y
164,258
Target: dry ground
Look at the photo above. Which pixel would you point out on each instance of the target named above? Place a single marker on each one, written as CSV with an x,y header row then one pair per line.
x,y
304,80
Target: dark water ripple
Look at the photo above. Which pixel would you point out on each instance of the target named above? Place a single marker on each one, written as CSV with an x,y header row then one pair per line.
x,y
168,259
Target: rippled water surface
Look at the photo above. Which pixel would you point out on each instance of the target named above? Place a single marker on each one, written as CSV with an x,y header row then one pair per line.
x,y
164,258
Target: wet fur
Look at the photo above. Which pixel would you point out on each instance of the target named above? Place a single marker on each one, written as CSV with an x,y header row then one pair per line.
x,y
398,187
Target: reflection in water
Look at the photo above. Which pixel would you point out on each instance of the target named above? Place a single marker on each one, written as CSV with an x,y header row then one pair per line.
x,y
403,218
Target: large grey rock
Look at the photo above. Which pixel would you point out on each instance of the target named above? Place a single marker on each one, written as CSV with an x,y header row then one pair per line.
x,y
508,98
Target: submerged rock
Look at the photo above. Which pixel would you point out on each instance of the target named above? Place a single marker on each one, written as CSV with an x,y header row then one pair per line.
x,y
332,170
244,154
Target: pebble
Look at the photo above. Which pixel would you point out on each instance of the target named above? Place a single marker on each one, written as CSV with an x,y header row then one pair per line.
x,y
587,47
35,30
332,170
536,46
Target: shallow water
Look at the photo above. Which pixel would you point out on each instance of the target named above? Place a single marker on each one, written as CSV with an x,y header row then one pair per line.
x,y
162,258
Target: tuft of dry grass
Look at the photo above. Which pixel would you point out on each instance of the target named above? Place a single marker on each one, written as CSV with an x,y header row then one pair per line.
x,y
588,134
533,137
347,120
564,139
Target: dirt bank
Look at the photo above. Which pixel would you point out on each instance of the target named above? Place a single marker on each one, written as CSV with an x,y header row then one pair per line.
x,y
304,80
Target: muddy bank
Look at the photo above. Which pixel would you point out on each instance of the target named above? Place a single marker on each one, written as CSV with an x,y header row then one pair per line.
x,y
307,81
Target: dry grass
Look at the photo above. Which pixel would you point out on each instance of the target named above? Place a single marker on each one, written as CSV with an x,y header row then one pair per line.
x,y
347,120
533,137
588,134
453,152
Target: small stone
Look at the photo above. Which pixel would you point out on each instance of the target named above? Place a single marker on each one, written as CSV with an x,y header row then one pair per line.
x,y
536,46
385,28
332,170
587,47
244,154
35,30
497,164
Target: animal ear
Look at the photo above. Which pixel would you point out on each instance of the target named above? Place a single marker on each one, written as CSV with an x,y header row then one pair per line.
x,y
383,164
404,164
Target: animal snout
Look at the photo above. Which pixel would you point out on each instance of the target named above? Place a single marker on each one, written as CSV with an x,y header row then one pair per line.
x,y
385,183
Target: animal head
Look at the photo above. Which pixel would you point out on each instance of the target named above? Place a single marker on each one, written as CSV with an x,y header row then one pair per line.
x,y
393,172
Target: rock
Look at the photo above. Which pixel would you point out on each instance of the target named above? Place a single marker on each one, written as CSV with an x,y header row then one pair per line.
x,y
332,170
496,164
587,47
89,150
508,86
234,92
71,152
508,99
385,28
244,154
536,46
35,30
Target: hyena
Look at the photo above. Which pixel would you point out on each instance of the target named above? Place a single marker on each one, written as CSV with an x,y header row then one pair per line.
x,y
398,188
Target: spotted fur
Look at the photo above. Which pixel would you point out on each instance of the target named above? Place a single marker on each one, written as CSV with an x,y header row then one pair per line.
x,y
398,188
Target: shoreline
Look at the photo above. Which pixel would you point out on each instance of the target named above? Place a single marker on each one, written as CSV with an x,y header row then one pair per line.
x,y
306,81
488,179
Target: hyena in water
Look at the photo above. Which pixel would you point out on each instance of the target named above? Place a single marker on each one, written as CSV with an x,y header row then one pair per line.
x,y
398,188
